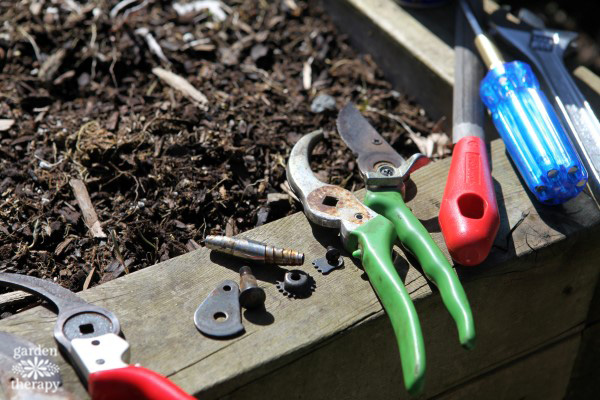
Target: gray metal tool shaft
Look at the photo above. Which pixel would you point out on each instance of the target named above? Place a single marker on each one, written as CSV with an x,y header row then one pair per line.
x,y
545,49
467,111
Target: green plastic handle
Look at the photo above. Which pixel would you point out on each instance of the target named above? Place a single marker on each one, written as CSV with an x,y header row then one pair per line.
x,y
415,238
374,241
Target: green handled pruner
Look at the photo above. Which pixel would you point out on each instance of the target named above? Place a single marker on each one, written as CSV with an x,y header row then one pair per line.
x,y
370,236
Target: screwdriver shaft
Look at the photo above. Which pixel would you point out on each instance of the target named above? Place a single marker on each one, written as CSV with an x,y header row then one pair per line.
x,y
490,54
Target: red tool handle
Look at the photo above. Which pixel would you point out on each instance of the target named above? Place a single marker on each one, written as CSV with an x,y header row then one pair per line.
x,y
133,383
469,212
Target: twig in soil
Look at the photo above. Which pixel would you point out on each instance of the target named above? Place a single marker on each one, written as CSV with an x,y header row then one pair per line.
x,y
152,44
307,74
215,7
31,40
179,83
125,5
88,279
35,233
87,208
117,251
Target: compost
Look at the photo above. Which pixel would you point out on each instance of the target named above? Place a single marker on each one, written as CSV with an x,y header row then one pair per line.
x,y
83,100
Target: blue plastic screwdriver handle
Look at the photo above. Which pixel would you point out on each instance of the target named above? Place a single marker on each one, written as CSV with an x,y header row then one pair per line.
x,y
532,133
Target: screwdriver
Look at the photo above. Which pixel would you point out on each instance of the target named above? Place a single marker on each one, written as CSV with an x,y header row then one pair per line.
x,y
528,125
469,212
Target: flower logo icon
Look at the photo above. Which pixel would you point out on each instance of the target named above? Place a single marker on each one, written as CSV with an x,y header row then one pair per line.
x,y
35,368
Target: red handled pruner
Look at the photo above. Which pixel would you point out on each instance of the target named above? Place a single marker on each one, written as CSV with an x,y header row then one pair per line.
x,y
90,337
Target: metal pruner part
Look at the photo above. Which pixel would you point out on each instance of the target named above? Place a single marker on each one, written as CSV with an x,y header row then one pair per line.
x,y
379,164
90,337
326,205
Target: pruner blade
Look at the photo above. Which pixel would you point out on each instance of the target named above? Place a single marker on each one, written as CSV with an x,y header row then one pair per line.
x,y
379,164
326,205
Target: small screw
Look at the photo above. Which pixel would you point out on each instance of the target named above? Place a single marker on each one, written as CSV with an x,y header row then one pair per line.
x,y
377,141
332,255
251,296
386,170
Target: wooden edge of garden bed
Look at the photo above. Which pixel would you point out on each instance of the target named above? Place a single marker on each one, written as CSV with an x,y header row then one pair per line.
x,y
534,245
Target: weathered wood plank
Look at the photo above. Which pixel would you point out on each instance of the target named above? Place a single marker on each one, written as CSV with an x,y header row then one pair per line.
x,y
584,382
537,376
413,58
156,305
14,298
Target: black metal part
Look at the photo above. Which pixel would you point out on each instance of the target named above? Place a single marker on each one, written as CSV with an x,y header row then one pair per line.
x,y
333,259
251,295
76,317
220,315
296,284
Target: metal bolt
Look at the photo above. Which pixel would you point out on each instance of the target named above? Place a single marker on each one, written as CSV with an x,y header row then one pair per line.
x,y
386,170
253,250
332,255
251,296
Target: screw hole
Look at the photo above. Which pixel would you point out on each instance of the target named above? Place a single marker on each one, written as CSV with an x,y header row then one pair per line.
x,y
227,288
330,201
358,216
295,276
86,329
100,361
220,316
95,342
377,141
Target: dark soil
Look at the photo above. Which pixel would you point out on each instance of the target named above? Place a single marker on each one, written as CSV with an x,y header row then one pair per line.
x,y
161,171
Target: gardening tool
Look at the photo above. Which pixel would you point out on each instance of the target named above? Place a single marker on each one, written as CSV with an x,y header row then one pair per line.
x,y
370,236
469,213
545,49
532,133
90,338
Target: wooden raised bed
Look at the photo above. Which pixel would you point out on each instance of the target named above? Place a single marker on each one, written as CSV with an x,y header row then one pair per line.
x,y
533,299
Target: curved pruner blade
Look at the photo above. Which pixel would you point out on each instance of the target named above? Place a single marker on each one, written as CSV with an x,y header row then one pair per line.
x,y
57,295
326,205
